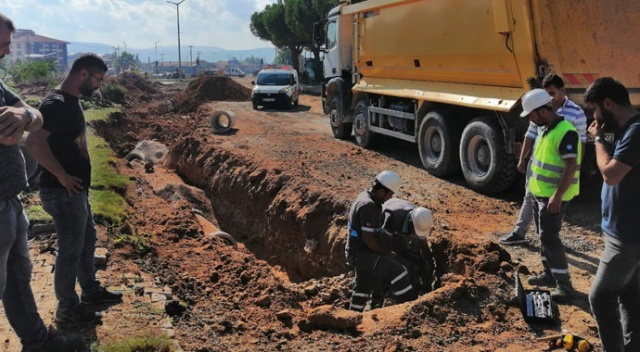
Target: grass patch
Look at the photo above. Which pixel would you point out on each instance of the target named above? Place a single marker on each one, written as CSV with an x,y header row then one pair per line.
x,y
136,344
107,185
103,174
35,213
107,206
100,114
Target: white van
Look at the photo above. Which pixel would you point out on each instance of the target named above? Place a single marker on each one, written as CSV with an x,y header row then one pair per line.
x,y
276,86
235,72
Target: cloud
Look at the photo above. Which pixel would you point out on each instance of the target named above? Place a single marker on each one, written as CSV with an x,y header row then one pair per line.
x,y
140,23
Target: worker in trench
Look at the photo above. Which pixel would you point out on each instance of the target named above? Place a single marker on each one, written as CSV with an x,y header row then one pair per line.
x,y
369,250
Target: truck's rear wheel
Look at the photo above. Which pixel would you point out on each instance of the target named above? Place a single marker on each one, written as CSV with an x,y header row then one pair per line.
x,y
361,126
340,130
485,164
438,139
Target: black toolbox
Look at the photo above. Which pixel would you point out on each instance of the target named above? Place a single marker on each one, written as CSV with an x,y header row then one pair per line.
x,y
536,305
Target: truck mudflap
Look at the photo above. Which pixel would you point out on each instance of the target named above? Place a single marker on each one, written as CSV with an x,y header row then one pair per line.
x,y
337,97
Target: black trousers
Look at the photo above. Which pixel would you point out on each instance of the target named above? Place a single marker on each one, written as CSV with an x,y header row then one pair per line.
x,y
376,272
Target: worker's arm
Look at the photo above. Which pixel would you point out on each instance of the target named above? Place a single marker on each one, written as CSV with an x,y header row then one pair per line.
x,y
569,151
374,244
614,169
527,146
15,120
39,148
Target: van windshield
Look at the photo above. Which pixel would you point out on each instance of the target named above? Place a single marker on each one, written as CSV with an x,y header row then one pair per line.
x,y
273,79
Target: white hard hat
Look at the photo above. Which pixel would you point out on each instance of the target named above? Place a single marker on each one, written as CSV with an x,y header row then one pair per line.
x,y
534,99
422,221
390,180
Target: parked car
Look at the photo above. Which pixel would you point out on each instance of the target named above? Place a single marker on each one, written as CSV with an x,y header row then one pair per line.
x,y
276,87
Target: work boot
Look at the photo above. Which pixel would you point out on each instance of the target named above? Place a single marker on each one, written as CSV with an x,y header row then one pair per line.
x,y
78,317
563,292
544,279
58,343
513,239
102,295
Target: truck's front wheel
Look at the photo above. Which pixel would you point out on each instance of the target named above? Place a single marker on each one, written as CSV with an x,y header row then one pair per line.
x,y
340,130
438,139
362,126
486,166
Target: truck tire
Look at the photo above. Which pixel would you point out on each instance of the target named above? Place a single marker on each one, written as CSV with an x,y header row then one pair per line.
x,y
361,126
486,165
438,139
340,130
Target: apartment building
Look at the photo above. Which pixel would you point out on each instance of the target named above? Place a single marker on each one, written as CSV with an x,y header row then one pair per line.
x,y
27,45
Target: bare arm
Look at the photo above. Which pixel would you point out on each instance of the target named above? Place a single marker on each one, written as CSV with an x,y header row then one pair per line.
x,y
527,146
39,147
15,120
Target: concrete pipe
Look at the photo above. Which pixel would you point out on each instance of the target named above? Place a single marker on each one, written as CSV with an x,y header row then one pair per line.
x,y
227,238
222,121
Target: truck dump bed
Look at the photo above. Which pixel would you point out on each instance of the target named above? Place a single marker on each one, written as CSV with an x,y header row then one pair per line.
x,y
477,46
585,39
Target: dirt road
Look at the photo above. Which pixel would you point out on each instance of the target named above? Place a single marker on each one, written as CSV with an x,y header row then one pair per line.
x,y
279,180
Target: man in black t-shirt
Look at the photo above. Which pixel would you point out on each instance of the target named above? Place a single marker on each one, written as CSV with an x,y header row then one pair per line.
x,y
61,150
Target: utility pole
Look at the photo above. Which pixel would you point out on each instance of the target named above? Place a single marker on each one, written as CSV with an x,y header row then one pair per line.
x,y
162,58
191,54
179,53
156,45
117,48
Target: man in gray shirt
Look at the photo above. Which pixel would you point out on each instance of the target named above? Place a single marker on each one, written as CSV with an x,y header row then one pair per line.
x,y
16,117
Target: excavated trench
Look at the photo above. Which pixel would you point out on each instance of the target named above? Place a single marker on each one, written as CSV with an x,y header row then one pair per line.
x,y
277,218
277,184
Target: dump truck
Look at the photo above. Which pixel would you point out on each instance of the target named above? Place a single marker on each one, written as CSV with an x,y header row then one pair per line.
x,y
448,75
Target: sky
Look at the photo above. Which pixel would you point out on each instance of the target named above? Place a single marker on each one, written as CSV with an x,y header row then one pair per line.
x,y
140,24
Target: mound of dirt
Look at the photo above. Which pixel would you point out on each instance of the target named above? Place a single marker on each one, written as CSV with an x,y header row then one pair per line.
x,y
209,88
134,83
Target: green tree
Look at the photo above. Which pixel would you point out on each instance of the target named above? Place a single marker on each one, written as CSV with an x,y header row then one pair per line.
x,y
296,33
38,72
270,25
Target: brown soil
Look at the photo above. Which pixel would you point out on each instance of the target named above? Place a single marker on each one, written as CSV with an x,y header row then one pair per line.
x,y
278,179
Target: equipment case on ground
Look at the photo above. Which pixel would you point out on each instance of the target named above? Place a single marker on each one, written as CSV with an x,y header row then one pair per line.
x,y
536,305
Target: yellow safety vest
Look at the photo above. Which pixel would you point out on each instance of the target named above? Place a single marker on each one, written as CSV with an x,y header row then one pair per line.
x,y
547,164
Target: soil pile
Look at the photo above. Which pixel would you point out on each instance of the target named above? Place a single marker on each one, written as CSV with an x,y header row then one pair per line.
x,y
210,88
134,83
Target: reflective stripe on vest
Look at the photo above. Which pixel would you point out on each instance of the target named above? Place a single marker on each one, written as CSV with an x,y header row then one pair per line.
x,y
547,164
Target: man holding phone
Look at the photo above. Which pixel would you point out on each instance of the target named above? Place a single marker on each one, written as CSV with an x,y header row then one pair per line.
x,y
615,290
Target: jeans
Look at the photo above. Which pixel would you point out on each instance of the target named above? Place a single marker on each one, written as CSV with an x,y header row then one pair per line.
x,y
614,296
15,275
76,232
526,210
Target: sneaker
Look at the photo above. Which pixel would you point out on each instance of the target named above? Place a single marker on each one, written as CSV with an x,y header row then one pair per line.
x,y
513,239
58,343
79,316
543,279
562,293
101,296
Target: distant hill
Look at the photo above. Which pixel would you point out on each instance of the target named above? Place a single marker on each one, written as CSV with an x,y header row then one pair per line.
x,y
170,53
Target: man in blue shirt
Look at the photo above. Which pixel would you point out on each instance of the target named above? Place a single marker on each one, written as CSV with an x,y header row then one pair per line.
x,y
615,290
